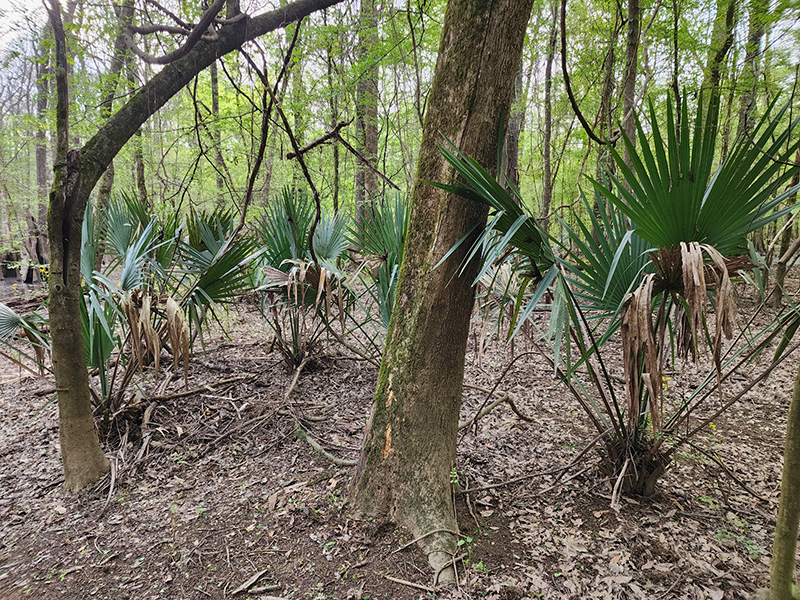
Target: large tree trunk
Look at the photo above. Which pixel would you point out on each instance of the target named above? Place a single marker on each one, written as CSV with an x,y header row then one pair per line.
x,y
410,446
83,459
786,529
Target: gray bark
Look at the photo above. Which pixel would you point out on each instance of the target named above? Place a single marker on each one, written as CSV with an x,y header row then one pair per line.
x,y
410,446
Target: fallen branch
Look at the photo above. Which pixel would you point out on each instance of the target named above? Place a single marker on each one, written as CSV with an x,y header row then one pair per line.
x,y
246,585
501,398
419,586
301,433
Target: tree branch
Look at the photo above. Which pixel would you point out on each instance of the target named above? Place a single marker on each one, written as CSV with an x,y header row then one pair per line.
x,y
191,40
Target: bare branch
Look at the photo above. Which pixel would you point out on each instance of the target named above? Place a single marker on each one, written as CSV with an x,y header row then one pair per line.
x,y
195,35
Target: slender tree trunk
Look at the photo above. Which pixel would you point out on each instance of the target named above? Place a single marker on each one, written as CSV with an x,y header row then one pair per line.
x,y
513,133
547,148
216,133
83,459
631,68
366,184
784,546
748,80
776,297
721,42
333,99
410,446
39,216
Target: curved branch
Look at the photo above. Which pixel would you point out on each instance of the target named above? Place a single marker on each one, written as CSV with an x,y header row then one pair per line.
x,y
191,40
139,30
587,128
171,15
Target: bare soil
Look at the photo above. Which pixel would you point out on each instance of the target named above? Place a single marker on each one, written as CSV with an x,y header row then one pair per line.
x,y
211,494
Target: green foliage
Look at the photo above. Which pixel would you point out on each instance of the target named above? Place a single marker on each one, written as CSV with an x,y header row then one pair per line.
x,y
676,200
300,298
676,195
382,237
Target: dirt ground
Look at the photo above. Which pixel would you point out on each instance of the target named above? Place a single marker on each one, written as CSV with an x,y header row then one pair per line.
x,y
211,494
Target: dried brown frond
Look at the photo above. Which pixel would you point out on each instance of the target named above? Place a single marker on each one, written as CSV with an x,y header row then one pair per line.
x,y
129,309
178,332
152,341
640,347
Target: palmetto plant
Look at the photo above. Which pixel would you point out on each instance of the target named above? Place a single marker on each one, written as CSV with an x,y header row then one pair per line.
x,y
380,238
668,236
157,286
301,298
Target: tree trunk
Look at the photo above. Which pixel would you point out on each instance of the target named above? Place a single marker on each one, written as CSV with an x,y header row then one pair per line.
x,y
547,149
366,183
776,297
40,251
749,78
629,83
786,529
513,133
410,446
83,459
216,134
721,42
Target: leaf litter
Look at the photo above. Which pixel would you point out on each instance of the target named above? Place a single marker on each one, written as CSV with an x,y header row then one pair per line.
x,y
216,497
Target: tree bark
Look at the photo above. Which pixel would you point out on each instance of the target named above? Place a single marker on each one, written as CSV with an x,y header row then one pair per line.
x,y
40,251
721,42
784,546
83,459
775,299
749,76
547,149
513,133
366,183
410,446
629,83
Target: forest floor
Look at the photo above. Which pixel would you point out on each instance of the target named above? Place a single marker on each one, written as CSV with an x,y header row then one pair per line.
x,y
212,495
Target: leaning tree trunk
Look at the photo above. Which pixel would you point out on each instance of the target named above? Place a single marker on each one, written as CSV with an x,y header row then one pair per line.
x,y
83,459
785,545
410,446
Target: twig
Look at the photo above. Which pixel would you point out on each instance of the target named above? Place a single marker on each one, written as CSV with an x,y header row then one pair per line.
x,y
205,388
246,585
505,397
419,586
722,465
321,140
366,162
